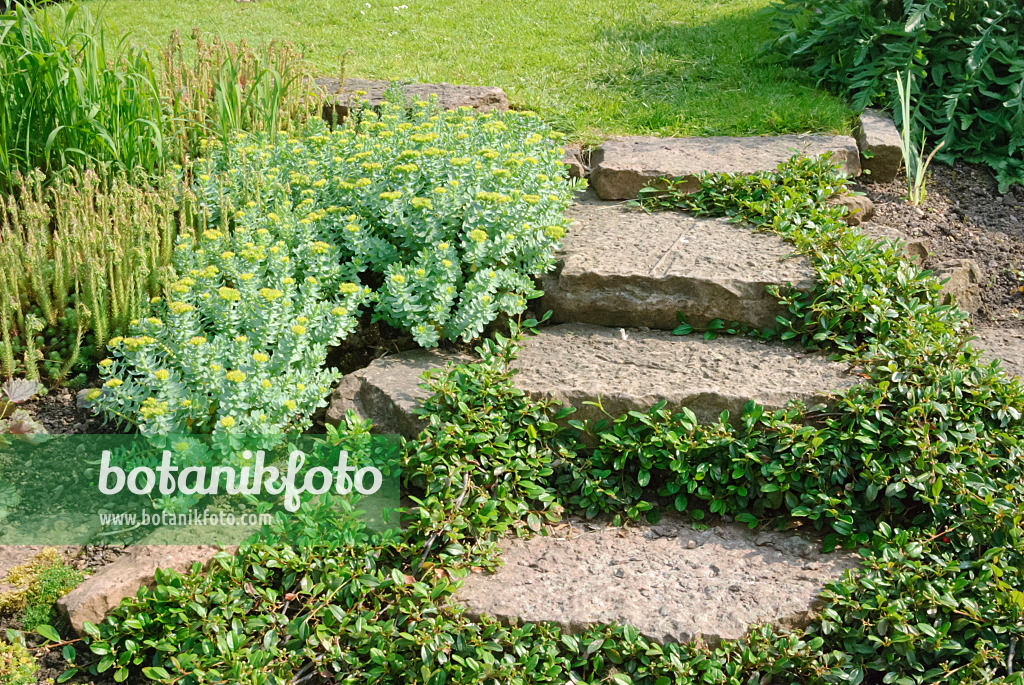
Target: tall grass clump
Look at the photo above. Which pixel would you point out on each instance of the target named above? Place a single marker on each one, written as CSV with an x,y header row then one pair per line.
x,y
79,261
74,93
225,87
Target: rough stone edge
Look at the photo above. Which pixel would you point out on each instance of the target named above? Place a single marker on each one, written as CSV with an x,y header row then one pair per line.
x,y
884,163
848,159
127,575
341,97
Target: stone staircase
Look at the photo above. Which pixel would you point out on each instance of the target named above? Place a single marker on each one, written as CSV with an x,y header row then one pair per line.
x,y
624,267
623,276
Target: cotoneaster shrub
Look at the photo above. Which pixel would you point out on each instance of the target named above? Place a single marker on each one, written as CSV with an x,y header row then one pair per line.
x,y
447,215
967,57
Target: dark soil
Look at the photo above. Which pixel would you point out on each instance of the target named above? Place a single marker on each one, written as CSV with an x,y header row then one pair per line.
x,y
965,217
58,412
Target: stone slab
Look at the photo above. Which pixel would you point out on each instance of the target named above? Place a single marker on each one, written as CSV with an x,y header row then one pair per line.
x,y
915,247
672,583
622,166
388,391
625,267
1004,344
625,369
877,135
634,370
859,208
100,593
343,94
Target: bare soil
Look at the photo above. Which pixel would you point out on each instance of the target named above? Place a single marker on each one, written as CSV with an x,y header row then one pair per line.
x,y
965,216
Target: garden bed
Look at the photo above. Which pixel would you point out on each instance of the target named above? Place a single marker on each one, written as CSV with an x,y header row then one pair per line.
x,y
965,216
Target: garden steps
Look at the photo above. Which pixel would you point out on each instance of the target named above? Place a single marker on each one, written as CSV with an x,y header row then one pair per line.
x,y
626,369
622,166
669,581
621,266
1004,344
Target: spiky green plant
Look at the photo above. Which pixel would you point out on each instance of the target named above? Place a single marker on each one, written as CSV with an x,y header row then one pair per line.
x,y
226,87
915,164
78,262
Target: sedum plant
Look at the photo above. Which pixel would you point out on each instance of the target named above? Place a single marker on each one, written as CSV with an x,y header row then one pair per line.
x,y
451,213
239,341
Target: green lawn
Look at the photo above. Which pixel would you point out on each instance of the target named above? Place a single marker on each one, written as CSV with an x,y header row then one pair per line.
x,y
591,67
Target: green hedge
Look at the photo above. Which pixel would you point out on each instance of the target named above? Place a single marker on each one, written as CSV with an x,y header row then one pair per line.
x,y
967,55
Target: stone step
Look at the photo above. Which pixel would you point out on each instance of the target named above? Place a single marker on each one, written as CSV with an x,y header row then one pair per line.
x,y
1004,344
621,266
622,166
669,581
101,592
626,369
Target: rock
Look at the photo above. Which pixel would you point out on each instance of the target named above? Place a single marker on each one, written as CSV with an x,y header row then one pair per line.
x,y
480,98
915,247
622,166
964,285
388,391
579,363
80,398
1004,344
668,589
877,135
573,161
626,267
859,208
101,592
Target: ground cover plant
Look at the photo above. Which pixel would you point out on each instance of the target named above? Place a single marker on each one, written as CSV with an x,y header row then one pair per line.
x,y
918,467
966,57
671,68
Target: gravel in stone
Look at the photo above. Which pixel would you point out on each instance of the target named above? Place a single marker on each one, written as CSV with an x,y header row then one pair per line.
x,y
671,582
626,267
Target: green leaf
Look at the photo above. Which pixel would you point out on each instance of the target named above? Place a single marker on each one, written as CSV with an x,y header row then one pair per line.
x,y
48,632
